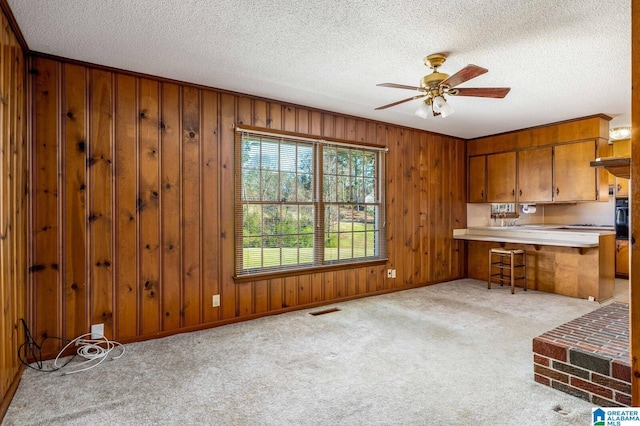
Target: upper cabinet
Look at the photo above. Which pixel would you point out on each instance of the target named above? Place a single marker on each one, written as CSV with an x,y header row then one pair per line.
x,y
575,179
501,177
545,164
478,179
535,179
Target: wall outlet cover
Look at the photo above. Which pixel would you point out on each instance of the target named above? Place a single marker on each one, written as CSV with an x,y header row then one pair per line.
x,y
97,331
215,300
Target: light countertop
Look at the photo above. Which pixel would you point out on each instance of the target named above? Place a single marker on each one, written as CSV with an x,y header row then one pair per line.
x,y
551,235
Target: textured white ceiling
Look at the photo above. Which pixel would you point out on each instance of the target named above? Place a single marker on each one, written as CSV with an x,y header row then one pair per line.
x,y
562,59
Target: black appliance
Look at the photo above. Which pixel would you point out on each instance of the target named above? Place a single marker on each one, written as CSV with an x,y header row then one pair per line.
x,y
622,218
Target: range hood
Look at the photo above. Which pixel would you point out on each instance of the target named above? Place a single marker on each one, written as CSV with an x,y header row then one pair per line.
x,y
617,166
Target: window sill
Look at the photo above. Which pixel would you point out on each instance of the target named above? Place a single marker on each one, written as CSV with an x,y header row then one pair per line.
x,y
239,279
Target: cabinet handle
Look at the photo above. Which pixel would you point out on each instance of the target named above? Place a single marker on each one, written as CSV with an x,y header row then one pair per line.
x,y
557,190
521,192
482,194
513,192
619,187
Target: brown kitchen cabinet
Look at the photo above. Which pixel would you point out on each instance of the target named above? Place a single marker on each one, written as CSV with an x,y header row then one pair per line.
x,y
575,179
501,177
535,180
621,187
478,179
622,258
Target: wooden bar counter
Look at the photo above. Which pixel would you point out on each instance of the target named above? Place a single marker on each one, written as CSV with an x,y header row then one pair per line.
x,y
562,260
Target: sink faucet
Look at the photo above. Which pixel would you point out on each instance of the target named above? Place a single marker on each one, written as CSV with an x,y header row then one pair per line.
x,y
513,222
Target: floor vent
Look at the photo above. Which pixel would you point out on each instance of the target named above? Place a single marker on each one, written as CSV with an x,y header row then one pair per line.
x,y
326,311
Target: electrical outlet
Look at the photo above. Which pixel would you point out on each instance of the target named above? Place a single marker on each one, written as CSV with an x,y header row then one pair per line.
x,y
215,300
97,331
393,273
389,273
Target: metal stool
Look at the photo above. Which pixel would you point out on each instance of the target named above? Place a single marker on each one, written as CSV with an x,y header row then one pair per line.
x,y
507,260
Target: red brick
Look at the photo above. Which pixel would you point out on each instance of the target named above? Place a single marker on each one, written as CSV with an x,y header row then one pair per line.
x,y
623,399
621,371
541,360
611,383
601,402
548,349
542,380
552,374
592,387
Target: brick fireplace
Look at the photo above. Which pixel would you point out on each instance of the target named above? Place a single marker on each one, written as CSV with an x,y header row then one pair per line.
x,y
588,357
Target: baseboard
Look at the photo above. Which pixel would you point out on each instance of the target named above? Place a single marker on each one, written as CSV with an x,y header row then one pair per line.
x,y
6,401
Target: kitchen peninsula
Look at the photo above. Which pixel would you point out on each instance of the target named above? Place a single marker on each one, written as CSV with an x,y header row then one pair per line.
x,y
561,259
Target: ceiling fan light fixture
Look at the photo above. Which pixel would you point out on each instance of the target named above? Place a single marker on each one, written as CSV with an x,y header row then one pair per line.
x,y
618,133
423,110
442,106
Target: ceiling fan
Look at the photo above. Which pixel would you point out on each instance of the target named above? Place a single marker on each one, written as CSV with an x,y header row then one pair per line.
x,y
434,86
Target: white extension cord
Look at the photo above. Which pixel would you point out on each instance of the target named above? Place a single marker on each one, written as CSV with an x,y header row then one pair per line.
x,y
95,351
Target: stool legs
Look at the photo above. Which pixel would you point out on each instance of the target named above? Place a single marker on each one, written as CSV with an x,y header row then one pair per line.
x,y
507,260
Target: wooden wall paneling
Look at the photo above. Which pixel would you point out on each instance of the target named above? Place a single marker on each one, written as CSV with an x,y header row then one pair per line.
x,y
289,118
447,204
126,254
276,294
99,169
74,166
436,206
339,127
45,316
6,208
290,291
210,197
226,203
244,114
399,209
413,237
392,192
261,296
315,123
259,118
274,119
634,277
460,208
340,283
350,129
170,283
361,281
329,285
423,206
317,283
245,299
350,284
13,210
304,289
302,121
191,211
148,208
328,125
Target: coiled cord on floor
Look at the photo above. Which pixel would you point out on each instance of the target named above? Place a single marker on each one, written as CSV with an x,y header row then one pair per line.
x,y
94,351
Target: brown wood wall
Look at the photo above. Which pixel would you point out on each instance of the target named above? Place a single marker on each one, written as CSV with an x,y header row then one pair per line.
x,y
132,200
13,207
634,273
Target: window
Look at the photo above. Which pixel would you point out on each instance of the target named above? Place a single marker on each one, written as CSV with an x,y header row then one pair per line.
x,y
304,203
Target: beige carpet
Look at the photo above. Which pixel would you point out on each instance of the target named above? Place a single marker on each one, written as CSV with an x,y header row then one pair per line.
x,y
449,354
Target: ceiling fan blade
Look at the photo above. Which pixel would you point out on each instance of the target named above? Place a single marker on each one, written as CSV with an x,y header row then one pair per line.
x,y
401,102
465,74
399,86
483,92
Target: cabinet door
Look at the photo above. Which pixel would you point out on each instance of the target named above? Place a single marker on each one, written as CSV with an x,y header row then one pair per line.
x,y
622,258
622,187
477,179
501,177
576,180
535,179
